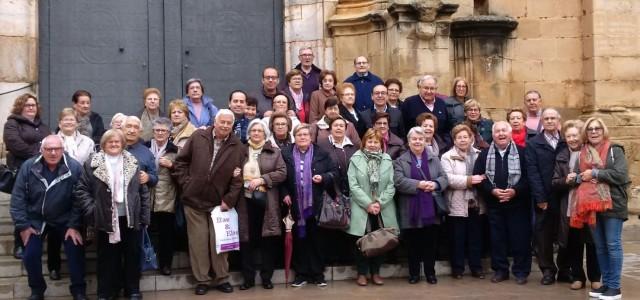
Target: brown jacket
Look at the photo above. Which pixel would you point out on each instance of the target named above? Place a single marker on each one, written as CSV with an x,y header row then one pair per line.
x,y
204,185
274,172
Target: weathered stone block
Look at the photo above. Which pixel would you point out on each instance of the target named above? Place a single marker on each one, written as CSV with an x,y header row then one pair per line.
x,y
568,48
528,28
624,68
534,49
526,70
560,70
541,8
19,18
516,9
561,27
18,59
569,8
617,93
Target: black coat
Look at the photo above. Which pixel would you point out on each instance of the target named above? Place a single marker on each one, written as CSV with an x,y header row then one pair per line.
x,y
360,124
97,125
322,165
541,159
22,139
396,123
341,158
485,187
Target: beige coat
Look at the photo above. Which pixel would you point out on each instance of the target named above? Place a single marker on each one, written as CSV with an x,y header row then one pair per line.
x,y
163,195
460,189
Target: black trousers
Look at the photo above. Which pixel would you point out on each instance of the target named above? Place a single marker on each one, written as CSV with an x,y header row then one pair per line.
x,y
579,239
421,246
257,246
54,242
545,235
165,223
307,260
118,265
510,231
367,265
466,241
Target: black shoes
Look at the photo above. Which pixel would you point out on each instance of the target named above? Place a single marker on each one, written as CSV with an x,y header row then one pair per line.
x,y
135,296
36,297
166,271
54,275
225,288
548,279
521,280
18,252
246,285
456,275
564,277
431,279
499,277
414,279
267,284
477,274
202,289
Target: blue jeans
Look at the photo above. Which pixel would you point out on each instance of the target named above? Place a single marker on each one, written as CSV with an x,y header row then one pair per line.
x,y
607,237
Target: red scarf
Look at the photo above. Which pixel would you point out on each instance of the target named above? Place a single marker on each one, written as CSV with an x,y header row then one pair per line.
x,y
591,196
519,137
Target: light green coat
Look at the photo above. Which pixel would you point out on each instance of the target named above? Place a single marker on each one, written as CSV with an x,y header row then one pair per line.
x,y
361,193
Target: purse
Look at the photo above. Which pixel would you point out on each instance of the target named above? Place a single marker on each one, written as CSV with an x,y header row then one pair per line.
x,y
148,259
7,179
336,212
259,197
378,242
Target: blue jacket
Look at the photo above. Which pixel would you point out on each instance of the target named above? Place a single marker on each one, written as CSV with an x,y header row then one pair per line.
x,y
413,106
541,159
207,115
146,161
364,86
36,203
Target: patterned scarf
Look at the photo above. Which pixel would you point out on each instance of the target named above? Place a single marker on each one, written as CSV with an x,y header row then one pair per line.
x,y
304,186
373,168
421,206
157,151
591,196
513,165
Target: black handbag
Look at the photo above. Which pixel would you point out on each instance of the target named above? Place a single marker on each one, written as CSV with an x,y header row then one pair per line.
x,y
336,211
259,197
7,179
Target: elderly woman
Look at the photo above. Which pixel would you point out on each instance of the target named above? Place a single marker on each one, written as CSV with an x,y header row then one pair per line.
x,y
281,126
149,112
419,179
89,123
574,239
340,148
465,207
429,124
181,128
347,96
201,109
259,214
372,203
455,103
117,205
391,143
318,98
78,146
117,121
280,104
480,126
394,89
310,172
519,131
163,195
602,202
296,93
320,130
22,135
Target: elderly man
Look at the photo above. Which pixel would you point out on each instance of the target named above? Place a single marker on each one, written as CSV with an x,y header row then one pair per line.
x,y
533,105
238,105
426,101
541,150
204,169
268,90
310,72
379,96
132,127
505,189
42,204
364,81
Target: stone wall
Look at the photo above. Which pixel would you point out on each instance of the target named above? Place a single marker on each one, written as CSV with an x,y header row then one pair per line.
x,y
18,51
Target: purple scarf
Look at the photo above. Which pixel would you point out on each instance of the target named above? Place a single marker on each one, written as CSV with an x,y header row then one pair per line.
x,y
304,187
421,207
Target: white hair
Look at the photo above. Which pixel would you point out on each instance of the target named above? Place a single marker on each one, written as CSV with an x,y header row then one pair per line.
x,y
256,121
226,112
493,128
305,48
415,130
131,119
49,136
117,117
551,110
427,77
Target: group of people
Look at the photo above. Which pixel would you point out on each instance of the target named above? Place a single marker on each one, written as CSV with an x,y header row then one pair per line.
x,y
422,165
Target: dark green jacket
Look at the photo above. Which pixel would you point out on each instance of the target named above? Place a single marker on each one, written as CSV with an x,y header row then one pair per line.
x,y
616,174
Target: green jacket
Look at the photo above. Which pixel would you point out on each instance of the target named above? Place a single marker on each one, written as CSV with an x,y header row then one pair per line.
x,y
616,174
361,193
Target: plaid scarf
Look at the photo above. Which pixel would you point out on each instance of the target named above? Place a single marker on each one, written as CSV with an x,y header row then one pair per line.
x,y
513,165
591,196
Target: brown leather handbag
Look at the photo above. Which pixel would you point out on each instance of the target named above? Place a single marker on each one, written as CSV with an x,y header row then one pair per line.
x,y
336,211
378,242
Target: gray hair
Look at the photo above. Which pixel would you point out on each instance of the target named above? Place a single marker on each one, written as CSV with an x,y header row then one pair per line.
x,y
116,117
427,77
415,130
131,119
256,121
190,81
305,48
550,109
226,112
50,136
493,128
162,121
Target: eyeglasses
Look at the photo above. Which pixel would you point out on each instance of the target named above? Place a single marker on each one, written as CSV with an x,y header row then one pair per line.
x,y
30,105
430,88
362,63
306,55
381,124
272,78
160,130
279,124
379,93
52,150
594,129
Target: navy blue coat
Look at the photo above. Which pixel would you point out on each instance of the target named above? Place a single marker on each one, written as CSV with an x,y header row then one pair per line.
x,y
485,187
541,159
413,107
35,202
364,86
146,161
